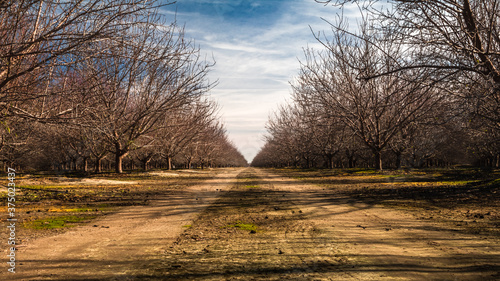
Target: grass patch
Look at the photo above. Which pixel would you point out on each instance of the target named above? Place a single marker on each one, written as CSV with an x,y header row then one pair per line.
x,y
243,226
58,222
187,226
43,187
458,182
63,209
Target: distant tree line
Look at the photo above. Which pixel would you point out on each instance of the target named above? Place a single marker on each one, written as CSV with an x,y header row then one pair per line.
x,y
101,84
416,84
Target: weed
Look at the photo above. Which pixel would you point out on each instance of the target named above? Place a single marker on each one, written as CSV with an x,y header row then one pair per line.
x,y
57,222
243,226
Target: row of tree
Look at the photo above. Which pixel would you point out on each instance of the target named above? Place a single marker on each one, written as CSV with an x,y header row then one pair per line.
x,y
416,84
101,80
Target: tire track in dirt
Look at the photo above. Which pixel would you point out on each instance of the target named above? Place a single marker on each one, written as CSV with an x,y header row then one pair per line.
x,y
264,227
119,246
221,245
378,243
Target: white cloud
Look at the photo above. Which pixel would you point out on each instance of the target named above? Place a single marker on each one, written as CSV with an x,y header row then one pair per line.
x,y
225,46
254,63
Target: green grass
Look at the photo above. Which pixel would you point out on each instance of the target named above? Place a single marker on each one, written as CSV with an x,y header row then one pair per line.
x,y
58,222
458,182
100,207
243,226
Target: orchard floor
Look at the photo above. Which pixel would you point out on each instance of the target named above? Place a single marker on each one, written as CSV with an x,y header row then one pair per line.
x,y
255,224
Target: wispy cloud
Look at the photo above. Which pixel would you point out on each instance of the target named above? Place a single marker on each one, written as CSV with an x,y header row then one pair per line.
x,y
226,46
256,45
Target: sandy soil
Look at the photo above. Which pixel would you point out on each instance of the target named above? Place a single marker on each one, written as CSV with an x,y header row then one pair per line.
x,y
260,227
376,243
119,246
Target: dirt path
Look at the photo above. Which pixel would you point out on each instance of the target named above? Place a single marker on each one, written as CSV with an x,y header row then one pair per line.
x,y
377,243
262,227
119,246
306,233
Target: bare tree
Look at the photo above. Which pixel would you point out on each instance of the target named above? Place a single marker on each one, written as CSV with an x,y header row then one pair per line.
x,y
210,144
14,140
329,135
283,129
182,126
420,80
230,156
136,85
374,109
89,78
459,39
37,37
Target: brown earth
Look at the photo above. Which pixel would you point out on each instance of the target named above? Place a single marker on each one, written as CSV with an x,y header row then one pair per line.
x,y
44,198
263,226
115,245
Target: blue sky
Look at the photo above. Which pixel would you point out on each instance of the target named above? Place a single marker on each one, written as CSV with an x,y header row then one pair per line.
x,y
256,45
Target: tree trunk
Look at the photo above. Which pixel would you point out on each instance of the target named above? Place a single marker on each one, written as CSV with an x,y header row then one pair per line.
x,y
119,161
86,164
378,159
119,155
98,168
169,161
145,164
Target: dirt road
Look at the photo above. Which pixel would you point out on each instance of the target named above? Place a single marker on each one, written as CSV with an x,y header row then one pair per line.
x,y
376,243
119,246
261,227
